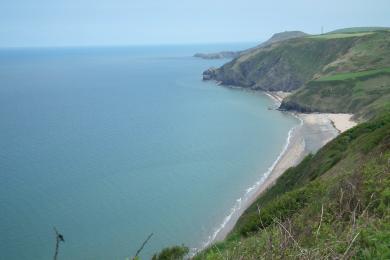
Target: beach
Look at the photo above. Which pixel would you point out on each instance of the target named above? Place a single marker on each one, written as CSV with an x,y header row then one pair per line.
x,y
313,132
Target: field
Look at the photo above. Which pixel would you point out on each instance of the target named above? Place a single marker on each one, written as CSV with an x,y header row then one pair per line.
x,y
360,29
355,75
338,35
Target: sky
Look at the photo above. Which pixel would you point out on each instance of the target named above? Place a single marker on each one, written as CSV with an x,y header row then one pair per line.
x,y
31,23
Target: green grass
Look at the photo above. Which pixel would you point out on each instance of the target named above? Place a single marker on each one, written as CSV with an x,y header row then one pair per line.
x,y
361,93
338,35
172,253
355,75
357,82
284,66
360,29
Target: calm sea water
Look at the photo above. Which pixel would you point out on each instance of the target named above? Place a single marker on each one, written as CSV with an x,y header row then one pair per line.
x,y
109,145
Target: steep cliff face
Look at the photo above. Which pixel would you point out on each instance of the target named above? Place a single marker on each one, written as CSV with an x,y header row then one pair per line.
x,y
285,65
289,64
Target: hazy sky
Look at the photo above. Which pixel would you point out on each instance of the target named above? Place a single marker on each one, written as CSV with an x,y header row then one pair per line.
x,y
125,22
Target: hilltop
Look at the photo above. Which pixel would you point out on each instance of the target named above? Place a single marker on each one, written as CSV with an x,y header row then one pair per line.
x,y
334,72
360,29
289,64
277,37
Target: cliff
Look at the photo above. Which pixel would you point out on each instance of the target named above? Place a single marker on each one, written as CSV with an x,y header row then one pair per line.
x,y
287,65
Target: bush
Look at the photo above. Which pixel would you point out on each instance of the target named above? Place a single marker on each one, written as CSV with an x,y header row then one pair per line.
x,y
172,253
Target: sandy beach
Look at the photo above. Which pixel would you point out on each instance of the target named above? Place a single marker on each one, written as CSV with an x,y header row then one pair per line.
x,y
342,122
314,131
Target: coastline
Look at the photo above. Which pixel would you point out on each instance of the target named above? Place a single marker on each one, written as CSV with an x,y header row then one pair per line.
x,y
313,132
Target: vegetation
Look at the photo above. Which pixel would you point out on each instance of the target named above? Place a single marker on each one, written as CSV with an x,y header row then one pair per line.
x,y
172,253
358,82
355,75
277,37
361,93
339,35
360,29
288,65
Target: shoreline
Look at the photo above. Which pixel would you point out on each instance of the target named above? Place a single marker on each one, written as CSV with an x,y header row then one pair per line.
x,y
313,132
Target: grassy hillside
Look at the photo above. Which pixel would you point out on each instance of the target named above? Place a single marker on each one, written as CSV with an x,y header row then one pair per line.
x,y
334,204
339,35
289,64
277,37
360,29
362,93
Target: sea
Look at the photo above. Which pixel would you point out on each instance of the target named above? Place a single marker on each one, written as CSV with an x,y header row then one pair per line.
x,y
109,145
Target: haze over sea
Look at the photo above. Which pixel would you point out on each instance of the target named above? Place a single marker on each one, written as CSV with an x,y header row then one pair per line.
x,y
111,144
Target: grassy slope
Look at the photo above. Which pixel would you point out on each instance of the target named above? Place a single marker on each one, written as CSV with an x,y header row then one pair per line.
x,y
339,35
364,90
288,65
362,93
371,51
333,204
283,66
277,37
359,29
354,75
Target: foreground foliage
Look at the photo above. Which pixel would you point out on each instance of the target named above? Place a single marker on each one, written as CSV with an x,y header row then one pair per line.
x,y
172,253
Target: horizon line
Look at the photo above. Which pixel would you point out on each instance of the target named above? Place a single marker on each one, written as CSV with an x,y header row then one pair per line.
x,y
126,45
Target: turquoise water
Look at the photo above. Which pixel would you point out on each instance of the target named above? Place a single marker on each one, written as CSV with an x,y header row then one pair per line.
x,y
111,144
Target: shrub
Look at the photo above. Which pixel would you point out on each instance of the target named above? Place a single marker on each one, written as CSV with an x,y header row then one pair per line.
x,y
172,253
